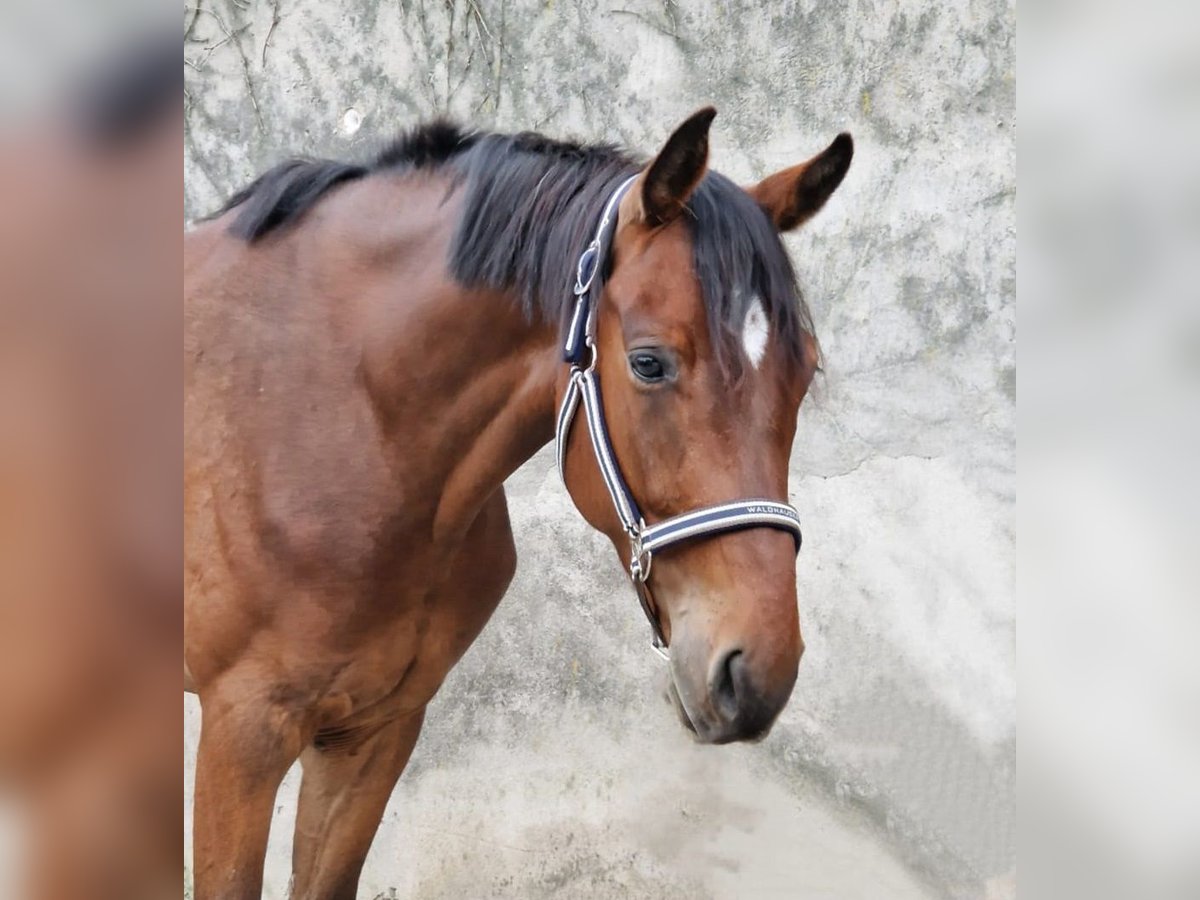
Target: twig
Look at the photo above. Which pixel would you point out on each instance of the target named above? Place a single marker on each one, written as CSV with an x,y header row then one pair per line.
x,y
498,75
541,121
250,87
479,18
209,49
232,37
271,30
646,20
465,73
449,50
195,11
427,44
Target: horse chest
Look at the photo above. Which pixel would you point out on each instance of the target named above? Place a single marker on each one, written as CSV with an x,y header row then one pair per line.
x,y
392,650
347,659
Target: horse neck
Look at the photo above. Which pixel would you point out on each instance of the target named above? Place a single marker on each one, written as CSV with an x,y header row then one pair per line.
x,y
462,378
487,380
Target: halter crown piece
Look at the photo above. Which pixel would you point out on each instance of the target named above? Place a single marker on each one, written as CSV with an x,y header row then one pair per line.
x,y
579,352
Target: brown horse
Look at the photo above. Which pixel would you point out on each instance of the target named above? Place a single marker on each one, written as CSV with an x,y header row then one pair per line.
x,y
370,350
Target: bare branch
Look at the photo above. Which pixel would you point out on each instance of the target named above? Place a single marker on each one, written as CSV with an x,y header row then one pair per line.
x,y
646,20
271,30
191,25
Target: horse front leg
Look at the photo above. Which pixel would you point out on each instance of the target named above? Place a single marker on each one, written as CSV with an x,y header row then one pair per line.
x,y
349,775
247,744
345,789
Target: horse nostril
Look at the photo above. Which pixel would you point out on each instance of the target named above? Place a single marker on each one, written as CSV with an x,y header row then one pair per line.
x,y
727,680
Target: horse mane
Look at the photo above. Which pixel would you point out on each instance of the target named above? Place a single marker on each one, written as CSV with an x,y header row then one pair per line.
x,y
530,207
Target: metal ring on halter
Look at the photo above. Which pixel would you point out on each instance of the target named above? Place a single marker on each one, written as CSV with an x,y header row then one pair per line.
x,y
640,558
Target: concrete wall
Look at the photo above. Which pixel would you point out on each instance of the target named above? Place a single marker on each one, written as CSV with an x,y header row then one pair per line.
x,y
550,765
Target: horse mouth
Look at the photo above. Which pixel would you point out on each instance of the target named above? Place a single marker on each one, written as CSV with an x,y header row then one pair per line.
x,y
705,734
672,696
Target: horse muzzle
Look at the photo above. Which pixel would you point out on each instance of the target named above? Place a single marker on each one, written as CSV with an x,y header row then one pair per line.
x,y
729,698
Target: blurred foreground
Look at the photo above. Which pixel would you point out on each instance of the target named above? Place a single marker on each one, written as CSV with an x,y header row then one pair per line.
x,y
90,461
1109,578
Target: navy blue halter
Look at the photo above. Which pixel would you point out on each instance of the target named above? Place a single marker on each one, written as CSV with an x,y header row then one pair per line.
x,y
579,352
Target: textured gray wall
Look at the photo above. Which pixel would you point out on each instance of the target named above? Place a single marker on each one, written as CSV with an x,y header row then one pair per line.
x,y
550,765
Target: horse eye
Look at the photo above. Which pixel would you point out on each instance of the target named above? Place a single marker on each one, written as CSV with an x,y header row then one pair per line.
x,y
647,366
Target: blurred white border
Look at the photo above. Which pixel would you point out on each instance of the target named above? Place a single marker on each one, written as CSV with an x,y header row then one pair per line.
x,y
1109,306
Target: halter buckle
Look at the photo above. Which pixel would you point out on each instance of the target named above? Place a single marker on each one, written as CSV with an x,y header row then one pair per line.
x,y
640,559
585,271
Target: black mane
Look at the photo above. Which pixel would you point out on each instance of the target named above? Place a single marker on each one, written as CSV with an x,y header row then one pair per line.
x,y
530,207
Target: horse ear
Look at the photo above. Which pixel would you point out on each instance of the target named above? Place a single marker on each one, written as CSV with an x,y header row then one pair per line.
x,y
793,196
669,180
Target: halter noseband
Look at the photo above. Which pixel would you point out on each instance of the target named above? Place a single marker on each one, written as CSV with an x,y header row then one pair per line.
x,y
645,540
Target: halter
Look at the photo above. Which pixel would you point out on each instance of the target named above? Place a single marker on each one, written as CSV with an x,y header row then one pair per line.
x,y
584,387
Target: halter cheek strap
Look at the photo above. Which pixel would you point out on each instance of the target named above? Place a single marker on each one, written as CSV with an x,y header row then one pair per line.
x,y
583,388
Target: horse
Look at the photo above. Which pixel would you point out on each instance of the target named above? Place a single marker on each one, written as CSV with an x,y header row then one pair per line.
x,y
372,348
